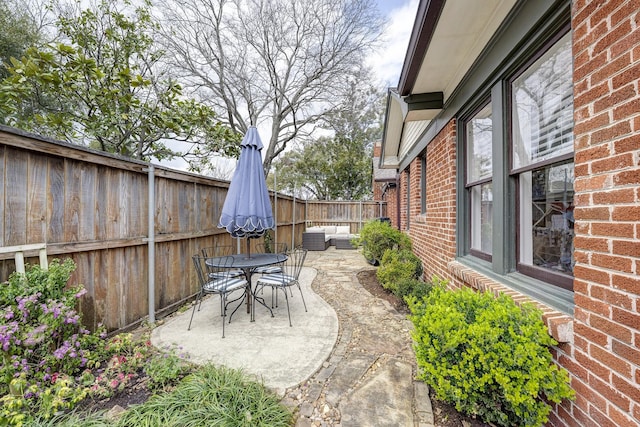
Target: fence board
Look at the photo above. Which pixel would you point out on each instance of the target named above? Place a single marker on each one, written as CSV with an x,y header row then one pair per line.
x,y
87,217
101,203
16,203
37,199
55,203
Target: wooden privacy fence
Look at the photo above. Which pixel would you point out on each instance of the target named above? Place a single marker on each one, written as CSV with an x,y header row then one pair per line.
x,y
94,208
351,213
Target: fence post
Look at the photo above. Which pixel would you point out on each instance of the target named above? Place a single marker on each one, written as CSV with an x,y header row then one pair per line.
x,y
151,245
293,221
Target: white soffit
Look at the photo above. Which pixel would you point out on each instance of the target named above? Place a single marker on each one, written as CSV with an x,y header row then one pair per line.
x,y
396,110
463,30
411,135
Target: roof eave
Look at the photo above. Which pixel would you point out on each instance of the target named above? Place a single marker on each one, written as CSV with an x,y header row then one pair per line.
x,y
423,29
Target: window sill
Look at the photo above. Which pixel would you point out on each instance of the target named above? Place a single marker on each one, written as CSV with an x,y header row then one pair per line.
x,y
556,304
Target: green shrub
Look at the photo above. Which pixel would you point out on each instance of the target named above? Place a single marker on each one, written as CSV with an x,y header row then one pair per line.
x,y
413,287
487,356
377,236
211,396
166,369
49,284
398,266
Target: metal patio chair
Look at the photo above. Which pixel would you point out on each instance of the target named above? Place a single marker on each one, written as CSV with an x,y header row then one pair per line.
x,y
220,251
286,279
274,248
220,284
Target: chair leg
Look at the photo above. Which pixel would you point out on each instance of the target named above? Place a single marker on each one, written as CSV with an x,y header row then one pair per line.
x,y
199,297
223,307
286,297
304,303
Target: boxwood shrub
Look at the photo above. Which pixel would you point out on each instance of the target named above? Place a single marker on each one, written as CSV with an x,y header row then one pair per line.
x,y
398,266
378,236
487,356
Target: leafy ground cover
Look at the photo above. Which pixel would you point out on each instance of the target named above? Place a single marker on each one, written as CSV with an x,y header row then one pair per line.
x,y
54,372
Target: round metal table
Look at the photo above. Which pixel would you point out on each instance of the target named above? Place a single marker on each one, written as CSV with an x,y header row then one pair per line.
x,y
248,264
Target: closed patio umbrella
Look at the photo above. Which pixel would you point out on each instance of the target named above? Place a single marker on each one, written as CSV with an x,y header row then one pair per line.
x,y
247,209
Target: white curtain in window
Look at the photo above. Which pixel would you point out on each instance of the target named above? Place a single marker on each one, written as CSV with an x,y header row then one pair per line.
x,y
542,116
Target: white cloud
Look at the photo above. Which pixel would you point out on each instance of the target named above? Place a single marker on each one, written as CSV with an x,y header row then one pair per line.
x,y
387,62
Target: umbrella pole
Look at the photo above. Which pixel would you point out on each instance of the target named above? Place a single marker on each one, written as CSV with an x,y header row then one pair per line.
x,y
248,249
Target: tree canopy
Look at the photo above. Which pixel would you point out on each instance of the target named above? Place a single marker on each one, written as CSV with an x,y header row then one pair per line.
x,y
338,167
18,33
279,64
103,86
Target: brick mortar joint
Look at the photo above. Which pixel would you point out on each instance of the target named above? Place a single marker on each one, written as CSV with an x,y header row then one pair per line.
x,y
559,325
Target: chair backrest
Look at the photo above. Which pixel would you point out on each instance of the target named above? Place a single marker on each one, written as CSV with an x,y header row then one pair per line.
x,y
199,264
272,248
217,251
221,264
295,260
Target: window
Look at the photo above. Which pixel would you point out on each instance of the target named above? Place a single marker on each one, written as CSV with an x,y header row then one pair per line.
x,y
479,172
542,164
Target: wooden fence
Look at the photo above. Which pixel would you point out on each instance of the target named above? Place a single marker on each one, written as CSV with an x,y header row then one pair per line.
x,y
94,208
354,214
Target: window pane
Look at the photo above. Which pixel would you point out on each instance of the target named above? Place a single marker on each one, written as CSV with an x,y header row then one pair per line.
x,y
481,217
542,117
546,218
479,130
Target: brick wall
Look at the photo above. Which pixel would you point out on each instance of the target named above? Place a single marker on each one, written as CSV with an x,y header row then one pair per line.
x,y
433,233
605,358
402,190
391,197
377,190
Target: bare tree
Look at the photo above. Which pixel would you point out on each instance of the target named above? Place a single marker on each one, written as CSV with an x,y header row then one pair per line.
x,y
276,63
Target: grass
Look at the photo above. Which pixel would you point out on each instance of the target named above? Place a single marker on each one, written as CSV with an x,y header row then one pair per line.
x,y
211,396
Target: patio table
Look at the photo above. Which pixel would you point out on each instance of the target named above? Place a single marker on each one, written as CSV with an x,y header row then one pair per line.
x,y
248,265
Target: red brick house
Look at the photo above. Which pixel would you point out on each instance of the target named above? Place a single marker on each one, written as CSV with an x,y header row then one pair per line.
x,y
515,134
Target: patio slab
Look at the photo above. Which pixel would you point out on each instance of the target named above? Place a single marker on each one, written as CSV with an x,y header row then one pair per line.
x,y
280,355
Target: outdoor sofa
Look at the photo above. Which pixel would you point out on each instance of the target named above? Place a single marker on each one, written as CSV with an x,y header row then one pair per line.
x,y
319,238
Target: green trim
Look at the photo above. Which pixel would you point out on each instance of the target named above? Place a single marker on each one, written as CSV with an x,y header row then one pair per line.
x,y
504,191
425,101
524,31
552,296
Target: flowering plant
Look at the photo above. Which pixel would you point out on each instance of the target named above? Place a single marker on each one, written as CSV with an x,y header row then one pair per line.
x,y
42,341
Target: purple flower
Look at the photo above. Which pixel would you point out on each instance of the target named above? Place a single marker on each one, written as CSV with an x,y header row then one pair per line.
x,y
36,336
72,320
60,352
7,333
82,292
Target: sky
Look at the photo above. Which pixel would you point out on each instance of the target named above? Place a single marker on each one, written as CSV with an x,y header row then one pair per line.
x,y
386,62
